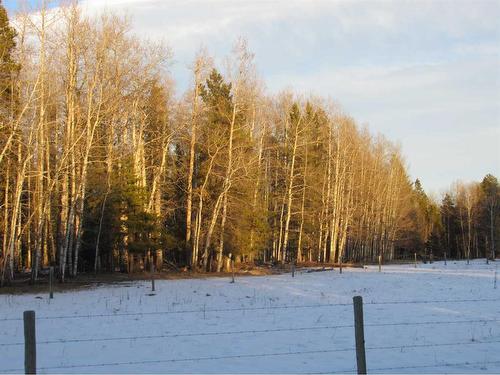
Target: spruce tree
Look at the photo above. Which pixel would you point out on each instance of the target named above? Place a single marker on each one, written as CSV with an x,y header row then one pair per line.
x,y
8,104
449,223
8,66
490,211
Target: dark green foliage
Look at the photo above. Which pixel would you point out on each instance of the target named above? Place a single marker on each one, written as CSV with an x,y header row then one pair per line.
x,y
8,100
450,226
8,65
125,224
490,213
216,94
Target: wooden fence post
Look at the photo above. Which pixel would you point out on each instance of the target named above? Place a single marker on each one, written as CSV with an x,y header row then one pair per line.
x,y
445,258
340,264
359,334
51,282
379,262
29,342
293,268
415,260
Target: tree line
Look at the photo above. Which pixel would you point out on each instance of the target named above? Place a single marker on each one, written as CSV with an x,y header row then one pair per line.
x,y
464,224
104,167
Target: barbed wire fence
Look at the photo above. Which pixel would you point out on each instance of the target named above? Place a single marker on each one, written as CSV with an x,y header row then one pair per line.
x,y
30,345
246,308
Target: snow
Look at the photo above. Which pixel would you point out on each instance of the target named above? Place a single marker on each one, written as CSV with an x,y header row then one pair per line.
x,y
267,324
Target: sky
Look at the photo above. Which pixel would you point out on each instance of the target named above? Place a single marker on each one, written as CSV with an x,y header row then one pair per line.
x,y
426,74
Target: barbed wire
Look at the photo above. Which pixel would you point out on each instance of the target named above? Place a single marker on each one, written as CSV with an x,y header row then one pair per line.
x,y
282,307
175,335
208,358
431,301
352,370
232,309
272,330
240,356
432,345
436,365
434,322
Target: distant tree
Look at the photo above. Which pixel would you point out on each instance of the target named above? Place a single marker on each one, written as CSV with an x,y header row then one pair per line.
x,y
9,151
8,66
449,224
219,126
429,220
490,199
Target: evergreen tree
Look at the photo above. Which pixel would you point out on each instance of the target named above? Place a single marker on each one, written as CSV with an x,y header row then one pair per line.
x,y
449,224
8,132
128,228
429,221
8,65
490,212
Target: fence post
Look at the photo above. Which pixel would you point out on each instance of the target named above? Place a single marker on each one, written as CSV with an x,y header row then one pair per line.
x,y
152,276
340,264
495,281
29,342
379,262
232,269
293,268
415,254
445,258
51,282
359,334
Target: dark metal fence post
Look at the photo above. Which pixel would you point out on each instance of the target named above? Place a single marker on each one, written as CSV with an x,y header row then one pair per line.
x,y
152,276
51,282
232,269
29,342
359,333
495,281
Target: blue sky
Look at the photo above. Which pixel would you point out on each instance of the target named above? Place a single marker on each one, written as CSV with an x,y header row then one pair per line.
x,y
426,74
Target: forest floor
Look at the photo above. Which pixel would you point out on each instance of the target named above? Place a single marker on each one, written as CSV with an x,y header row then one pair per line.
x,y
435,318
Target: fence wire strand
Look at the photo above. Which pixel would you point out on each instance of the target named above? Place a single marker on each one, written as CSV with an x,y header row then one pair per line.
x,y
283,307
272,330
481,363
208,358
261,355
459,364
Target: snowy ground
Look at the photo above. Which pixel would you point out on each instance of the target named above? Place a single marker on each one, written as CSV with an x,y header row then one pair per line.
x,y
434,318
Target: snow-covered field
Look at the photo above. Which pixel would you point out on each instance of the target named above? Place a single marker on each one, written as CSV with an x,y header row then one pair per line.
x,y
434,318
